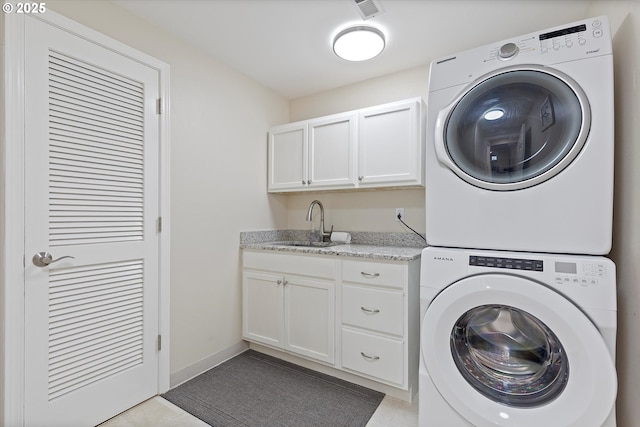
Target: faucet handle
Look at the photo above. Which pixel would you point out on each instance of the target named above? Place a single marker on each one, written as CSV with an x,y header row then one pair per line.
x,y
328,235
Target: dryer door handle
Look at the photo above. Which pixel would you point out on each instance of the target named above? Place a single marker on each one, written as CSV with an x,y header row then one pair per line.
x,y
439,129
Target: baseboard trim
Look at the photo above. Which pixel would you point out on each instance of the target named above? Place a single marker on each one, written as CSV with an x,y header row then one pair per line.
x,y
207,363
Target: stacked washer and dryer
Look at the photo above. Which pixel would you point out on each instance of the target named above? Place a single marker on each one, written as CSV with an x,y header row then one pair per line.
x,y
518,303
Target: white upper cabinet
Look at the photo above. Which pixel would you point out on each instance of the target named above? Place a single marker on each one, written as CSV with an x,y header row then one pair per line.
x,y
380,146
331,152
288,157
313,155
390,145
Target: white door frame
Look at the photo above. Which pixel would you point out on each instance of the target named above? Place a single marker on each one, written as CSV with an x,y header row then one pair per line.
x,y
12,256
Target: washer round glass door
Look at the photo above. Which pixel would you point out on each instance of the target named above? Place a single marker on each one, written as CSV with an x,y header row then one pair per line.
x,y
503,350
509,356
514,128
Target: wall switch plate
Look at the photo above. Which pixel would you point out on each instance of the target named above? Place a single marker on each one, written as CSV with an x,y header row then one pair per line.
x,y
401,212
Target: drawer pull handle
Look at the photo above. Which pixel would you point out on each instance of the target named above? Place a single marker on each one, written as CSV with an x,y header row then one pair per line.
x,y
370,275
368,357
370,310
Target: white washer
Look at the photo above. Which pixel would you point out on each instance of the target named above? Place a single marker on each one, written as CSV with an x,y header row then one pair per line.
x,y
520,143
516,339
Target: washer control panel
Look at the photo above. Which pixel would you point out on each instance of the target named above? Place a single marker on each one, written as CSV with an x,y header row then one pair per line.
x,y
583,274
562,272
508,263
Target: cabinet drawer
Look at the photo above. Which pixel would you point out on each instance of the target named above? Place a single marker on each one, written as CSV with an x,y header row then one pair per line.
x,y
290,264
376,309
373,273
372,355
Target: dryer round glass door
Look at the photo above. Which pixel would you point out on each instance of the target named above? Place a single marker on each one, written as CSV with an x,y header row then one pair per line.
x,y
515,128
504,350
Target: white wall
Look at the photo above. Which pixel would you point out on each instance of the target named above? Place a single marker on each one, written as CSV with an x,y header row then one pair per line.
x,y
219,120
625,18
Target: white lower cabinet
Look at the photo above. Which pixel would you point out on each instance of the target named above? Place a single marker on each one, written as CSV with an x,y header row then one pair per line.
x,y
380,305
309,318
288,311
263,308
358,316
374,355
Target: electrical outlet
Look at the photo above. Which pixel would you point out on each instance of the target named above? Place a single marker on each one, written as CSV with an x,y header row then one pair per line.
x,y
399,211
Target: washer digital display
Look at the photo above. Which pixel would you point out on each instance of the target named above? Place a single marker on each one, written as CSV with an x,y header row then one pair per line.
x,y
566,267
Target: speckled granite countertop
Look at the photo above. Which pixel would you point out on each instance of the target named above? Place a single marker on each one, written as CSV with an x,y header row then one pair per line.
x,y
388,246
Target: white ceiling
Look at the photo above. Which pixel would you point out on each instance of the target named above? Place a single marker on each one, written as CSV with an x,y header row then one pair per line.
x,y
286,44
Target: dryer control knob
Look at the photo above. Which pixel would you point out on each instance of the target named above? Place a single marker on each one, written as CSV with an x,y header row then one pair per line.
x,y
508,51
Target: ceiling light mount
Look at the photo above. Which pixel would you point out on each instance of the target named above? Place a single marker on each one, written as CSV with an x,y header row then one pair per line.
x,y
359,43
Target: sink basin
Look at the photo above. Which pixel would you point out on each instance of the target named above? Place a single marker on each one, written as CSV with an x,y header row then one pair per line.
x,y
307,244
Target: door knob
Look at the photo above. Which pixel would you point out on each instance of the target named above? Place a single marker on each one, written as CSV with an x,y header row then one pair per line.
x,y
43,259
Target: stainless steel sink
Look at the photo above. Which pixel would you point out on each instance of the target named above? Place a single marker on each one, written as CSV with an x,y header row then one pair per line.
x,y
307,244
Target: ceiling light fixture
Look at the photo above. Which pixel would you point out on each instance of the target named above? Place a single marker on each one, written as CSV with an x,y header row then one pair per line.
x,y
358,43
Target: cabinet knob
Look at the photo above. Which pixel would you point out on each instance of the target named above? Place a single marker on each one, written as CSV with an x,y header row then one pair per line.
x,y
303,182
370,310
279,282
309,182
360,178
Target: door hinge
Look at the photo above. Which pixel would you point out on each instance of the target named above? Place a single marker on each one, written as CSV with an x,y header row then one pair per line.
x,y
159,106
159,342
159,223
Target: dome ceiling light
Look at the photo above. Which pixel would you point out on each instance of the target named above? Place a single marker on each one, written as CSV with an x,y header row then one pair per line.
x,y
358,43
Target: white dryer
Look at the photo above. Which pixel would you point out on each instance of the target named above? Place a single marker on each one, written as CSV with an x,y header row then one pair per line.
x,y
516,339
520,143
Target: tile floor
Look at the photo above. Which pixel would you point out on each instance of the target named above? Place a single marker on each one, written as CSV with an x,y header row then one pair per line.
x,y
157,412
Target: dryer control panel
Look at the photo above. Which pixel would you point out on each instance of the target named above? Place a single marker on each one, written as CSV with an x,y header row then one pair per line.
x,y
575,41
584,39
578,35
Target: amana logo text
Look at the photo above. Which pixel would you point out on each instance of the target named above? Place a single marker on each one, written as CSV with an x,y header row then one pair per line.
x,y
442,258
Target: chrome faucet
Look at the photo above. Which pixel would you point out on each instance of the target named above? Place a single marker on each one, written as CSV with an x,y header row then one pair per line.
x,y
324,234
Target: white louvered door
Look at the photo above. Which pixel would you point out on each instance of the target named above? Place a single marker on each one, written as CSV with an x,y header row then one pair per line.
x,y
91,191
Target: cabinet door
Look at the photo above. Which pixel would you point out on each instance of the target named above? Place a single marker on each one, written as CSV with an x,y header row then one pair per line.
x,y
390,145
331,151
309,318
288,157
262,308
